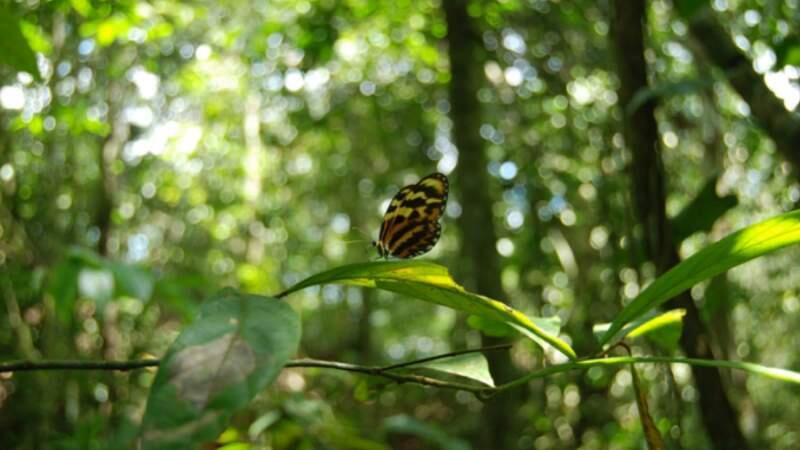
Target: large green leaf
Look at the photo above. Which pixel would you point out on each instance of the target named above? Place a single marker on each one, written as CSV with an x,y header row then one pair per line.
x,y
14,49
737,248
236,347
432,283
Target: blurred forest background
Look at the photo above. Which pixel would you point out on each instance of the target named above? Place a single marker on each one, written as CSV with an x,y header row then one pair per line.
x,y
167,149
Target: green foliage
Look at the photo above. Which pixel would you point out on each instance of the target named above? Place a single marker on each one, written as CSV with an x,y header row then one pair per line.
x,y
235,348
663,329
787,52
751,242
702,212
432,283
14,48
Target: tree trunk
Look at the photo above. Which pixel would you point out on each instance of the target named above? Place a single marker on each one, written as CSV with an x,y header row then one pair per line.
x,y
480,269
649,195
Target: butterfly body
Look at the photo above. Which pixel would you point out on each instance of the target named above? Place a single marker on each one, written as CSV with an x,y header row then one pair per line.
x,y
411,224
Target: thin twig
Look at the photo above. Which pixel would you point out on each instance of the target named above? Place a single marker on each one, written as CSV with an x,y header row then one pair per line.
x,y
447,355
385,371
28,366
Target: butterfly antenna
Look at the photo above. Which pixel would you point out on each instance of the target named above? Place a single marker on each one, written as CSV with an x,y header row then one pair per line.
x,y
366,235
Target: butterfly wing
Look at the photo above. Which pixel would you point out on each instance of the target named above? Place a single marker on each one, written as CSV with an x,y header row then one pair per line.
x,y
410,226
415,239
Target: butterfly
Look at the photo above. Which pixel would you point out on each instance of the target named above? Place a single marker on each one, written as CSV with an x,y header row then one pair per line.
x,y
411,224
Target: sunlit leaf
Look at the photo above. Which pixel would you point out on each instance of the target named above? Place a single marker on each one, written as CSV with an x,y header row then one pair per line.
x,y
663,329
432,283
215,367
15,51
738,248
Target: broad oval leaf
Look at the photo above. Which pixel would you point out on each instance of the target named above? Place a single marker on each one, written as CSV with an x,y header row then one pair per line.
x,y
432,283
742,246
232,351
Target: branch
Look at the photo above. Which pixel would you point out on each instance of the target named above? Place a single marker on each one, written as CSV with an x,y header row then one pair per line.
x,y
380,371
757,369
386,371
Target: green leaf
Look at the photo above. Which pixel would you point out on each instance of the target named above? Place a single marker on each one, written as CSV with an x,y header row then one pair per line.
x,y
15,51
432,283
737,248
688,8
662,329
787,52
470,366
491,327
215,367
701,213
132,281
682,87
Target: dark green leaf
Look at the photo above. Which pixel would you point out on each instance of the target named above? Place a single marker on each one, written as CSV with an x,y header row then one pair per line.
x,y
701,213
682,87
688,8
15,51
236,347
788,52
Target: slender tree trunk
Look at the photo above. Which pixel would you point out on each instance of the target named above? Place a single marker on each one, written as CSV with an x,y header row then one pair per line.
x,y
649,195
480,263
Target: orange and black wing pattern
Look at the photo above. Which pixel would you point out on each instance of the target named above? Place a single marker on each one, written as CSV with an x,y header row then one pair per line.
x,y
411,224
